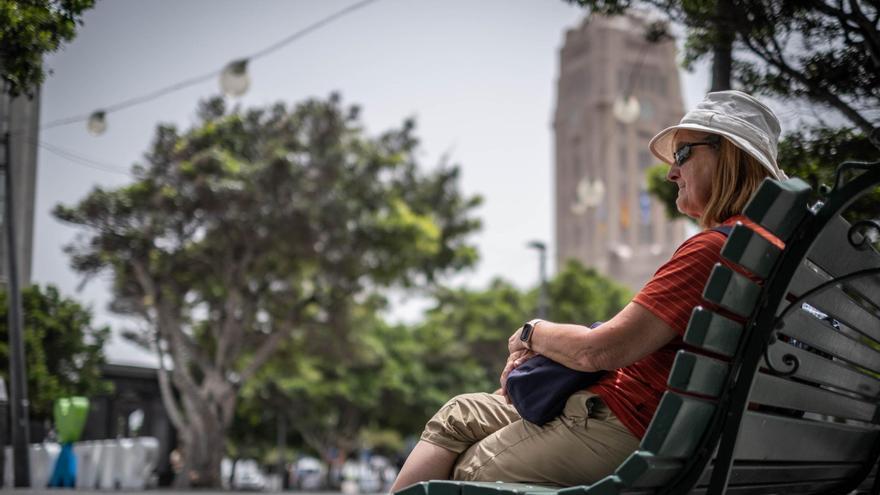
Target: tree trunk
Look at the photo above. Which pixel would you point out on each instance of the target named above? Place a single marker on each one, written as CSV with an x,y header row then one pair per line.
x,y
722,50
203,447
208,410
334,467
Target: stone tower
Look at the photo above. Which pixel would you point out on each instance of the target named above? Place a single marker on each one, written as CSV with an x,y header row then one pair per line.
x,y
605,217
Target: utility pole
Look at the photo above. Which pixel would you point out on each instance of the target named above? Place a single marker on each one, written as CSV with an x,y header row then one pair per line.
x,y
18,403
542,274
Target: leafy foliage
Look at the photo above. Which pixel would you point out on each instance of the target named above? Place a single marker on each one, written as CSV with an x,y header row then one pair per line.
x,y
663,190
257,231
28,30
815,154
581,295
63,351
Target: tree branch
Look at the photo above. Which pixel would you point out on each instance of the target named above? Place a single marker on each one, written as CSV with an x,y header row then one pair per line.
x,y
863,26
869,31
814,88
171,405
164,329
180,339
265,350
232,328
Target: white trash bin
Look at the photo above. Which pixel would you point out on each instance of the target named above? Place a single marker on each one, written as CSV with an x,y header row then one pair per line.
x,y
108,473
88,457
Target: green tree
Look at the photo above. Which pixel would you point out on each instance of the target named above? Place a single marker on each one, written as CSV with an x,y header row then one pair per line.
x,y
30,29
663,190
474,326
258,227
813,155
63,350
582,295
337,394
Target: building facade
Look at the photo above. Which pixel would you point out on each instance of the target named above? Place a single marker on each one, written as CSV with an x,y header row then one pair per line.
x,y
615,91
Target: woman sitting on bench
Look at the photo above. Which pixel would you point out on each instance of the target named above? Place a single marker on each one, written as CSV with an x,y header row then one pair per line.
x,y
718,154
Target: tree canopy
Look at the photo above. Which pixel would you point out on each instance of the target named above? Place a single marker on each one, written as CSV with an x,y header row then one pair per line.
x,y
30,29
257,229
64,351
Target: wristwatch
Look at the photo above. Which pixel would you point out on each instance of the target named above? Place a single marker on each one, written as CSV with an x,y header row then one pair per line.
x,y
527,329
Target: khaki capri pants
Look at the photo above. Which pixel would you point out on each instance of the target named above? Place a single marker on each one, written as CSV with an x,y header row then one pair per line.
x,y
586,443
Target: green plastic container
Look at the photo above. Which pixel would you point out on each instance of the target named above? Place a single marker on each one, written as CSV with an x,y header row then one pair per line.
x,y
70,418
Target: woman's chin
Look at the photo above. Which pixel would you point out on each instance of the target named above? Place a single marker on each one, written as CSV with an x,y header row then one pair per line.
x,y
685,210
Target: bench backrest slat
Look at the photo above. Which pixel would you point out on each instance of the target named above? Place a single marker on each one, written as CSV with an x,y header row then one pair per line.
x,y
731,290
677,425
697,374
817,369
779,206
746,473
770,437
643,469
819,334
713,332
750,250
836,256
791,488
776,391
834,302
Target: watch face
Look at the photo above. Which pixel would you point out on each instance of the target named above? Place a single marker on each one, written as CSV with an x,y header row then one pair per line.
x,y
526,332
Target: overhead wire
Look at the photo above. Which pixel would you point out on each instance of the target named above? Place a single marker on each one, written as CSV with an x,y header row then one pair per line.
x,y
214,73
81,160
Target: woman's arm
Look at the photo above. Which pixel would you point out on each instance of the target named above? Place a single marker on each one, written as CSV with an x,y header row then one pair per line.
x,y
631,335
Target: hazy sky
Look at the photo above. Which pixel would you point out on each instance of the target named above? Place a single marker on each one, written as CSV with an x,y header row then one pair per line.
x,y
479,76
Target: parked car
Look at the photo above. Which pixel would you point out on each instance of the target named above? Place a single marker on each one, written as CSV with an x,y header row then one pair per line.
x,y
247,476
309,474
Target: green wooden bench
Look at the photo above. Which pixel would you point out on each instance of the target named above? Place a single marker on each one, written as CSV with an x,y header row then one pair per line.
x,y
787,402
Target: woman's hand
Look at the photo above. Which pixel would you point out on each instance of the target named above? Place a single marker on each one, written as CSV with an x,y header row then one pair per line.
x,y
515,359
514,343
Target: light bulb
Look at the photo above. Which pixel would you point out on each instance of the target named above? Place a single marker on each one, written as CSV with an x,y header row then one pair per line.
x,y
626,109
234,80
97,124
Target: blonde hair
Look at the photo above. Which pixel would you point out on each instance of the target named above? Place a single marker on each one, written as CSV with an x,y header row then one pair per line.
x,y
737,176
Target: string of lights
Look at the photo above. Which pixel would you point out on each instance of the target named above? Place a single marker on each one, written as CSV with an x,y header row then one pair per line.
x,y
234,80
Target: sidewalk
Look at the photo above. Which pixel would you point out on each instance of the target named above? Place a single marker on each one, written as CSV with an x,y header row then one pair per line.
x,y
59,491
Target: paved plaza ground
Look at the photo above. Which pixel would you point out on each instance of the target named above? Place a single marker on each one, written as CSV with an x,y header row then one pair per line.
x,y
57,491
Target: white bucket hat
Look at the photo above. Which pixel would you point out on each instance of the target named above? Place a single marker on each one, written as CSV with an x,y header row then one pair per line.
x,y
742,119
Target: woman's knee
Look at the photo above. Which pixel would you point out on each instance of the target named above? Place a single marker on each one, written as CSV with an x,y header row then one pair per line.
x,y
468,418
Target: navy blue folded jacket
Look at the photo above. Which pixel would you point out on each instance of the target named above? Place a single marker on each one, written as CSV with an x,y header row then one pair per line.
x,y
540,387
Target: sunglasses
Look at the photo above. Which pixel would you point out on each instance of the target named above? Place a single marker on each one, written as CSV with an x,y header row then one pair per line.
x,y
684,151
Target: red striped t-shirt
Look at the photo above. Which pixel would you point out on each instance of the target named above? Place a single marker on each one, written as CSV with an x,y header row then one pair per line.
x,y
633,393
